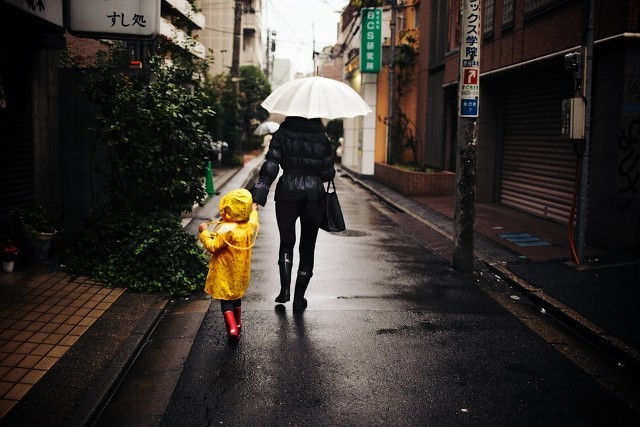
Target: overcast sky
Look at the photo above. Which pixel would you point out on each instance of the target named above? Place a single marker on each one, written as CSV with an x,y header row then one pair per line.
x,y
298,23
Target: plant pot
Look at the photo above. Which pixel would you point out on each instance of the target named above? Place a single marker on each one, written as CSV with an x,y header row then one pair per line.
x,y
410,183
7,266
40,244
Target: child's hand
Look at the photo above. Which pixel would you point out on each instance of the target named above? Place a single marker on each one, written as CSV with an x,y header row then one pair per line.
x,y
202,227
254,206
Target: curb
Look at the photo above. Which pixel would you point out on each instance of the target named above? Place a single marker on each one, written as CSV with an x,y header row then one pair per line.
x,y
240,177
622,353
90,408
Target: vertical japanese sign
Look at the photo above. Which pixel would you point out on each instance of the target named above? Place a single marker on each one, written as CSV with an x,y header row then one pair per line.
x,y
470,37
115,18
371,41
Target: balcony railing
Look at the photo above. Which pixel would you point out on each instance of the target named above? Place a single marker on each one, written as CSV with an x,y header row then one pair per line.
x,y
186,10
182,39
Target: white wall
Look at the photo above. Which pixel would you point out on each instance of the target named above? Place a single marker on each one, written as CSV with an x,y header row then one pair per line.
x,y
282,72
358,153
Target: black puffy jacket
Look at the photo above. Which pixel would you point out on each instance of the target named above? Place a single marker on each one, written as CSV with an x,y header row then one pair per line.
x,y
302,149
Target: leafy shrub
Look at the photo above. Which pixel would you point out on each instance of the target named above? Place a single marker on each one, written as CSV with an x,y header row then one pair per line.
x,y
154,130
149,252
153,126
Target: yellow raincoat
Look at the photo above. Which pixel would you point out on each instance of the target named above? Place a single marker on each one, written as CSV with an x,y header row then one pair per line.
x,y
230,245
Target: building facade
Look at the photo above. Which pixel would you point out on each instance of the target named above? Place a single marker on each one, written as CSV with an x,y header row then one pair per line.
x,y
29,128
281,72
366,138
524,159
44,142
218,33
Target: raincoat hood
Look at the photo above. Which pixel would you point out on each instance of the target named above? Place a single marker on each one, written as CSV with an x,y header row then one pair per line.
x,y
236,205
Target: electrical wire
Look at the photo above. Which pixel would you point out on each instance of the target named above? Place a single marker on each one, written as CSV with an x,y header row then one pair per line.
x,y
353,31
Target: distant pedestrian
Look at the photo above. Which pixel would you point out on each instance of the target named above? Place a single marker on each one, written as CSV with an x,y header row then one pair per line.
x,y
302,149
230,245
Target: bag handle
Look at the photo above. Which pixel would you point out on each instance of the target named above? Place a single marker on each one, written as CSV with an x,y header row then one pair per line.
x,y
329,184
255,236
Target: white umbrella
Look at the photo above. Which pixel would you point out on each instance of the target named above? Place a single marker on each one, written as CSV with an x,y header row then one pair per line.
x,y
266,127
316,97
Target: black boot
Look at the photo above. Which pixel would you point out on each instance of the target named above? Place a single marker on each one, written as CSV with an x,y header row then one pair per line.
x,y
286,265
299,301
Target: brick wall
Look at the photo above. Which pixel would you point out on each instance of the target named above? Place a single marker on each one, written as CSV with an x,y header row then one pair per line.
x,y
84,50
438,183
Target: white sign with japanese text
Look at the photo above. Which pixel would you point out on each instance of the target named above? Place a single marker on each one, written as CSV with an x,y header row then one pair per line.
x,y
470,38
115,18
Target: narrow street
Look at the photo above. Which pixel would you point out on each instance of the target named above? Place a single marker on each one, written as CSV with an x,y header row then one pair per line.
x,y
392,335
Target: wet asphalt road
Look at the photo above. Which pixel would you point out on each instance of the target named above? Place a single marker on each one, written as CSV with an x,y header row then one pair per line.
x,y
392,336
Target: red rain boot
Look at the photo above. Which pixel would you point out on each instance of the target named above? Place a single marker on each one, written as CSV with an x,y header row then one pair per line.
x,y
237,313
232,328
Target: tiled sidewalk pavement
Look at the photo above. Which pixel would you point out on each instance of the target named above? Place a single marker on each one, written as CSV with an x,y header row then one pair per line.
x,y
42,314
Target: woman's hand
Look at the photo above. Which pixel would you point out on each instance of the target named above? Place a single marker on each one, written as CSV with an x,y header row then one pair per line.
x,y
254,206
202,227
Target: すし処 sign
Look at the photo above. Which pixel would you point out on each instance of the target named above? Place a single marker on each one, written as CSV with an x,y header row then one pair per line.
x,y
115,18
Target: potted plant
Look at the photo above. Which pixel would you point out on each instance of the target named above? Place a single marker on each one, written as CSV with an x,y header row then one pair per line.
x,y
37,223
9,254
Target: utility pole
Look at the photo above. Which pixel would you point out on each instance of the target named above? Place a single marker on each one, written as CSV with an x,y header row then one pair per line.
x,y
581,223
235,77
267,71
237,28
313,49
464,209
468,107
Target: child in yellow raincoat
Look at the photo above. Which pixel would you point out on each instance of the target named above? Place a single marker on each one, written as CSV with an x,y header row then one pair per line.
x,y
230,245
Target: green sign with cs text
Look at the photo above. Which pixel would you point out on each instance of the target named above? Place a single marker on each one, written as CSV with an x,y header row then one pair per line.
x,y
371,42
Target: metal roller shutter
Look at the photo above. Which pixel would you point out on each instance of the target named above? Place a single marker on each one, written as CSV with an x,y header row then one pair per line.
x,y
16,167
538,166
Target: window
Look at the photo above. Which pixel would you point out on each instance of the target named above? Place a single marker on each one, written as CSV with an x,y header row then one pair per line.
x,y
488,17
530,5
507,12
248,7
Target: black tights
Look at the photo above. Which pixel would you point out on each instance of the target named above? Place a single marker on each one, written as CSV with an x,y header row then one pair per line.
x,y
287,214
230,305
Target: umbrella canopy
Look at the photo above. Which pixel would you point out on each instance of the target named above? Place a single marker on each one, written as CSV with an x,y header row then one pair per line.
x,y
266,127
316,97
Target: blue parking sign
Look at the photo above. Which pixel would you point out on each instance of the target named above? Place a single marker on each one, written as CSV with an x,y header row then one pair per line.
x,y
469,107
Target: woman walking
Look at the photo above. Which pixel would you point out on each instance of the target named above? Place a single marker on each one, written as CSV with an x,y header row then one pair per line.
x,y
302,149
